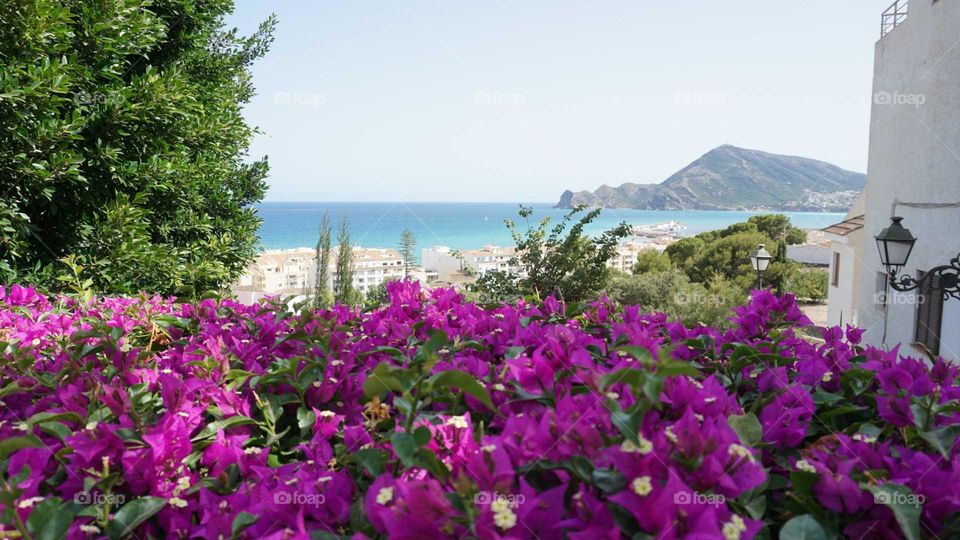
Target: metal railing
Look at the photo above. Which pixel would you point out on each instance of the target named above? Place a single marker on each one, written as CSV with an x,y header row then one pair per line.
x,y
894,16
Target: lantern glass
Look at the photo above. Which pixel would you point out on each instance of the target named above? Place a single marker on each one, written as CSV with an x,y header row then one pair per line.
x,y
760,259
895,244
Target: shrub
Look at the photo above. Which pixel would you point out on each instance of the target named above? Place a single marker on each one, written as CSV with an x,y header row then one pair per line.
x,y
672,292
559,261
123,144
810,285
651,260
435,418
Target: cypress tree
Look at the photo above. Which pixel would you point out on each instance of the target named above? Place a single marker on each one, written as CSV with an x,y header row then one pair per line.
x,y
321,297
407,250
343,292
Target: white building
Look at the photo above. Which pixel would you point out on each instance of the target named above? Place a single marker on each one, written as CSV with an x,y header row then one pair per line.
x,y
913,172
372,267
445,261
626,255
292,272
846,268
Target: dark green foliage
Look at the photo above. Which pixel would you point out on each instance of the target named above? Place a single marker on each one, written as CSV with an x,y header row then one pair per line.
x,y
322,296
672,292
725,253
343,291
408,251
777,226
560,261
684,251
651,260
728,257
810,285
122,144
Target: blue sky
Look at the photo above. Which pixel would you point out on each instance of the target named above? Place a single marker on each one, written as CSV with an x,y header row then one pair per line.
x,y
407,100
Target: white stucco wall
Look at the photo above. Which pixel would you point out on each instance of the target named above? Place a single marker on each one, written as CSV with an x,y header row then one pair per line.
x,y
914,157
843,298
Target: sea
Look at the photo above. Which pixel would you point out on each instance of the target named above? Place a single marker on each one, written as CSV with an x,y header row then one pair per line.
x,y
289,225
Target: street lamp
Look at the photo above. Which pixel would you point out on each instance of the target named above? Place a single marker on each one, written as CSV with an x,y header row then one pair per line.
x,y
760,259
895,244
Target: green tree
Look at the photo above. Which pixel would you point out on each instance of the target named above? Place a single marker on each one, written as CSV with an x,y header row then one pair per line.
x,y
561,261
343,291
407,248
673,293
729,257
651,260
123,146
778,226
321,296
810,285
652,291
684,251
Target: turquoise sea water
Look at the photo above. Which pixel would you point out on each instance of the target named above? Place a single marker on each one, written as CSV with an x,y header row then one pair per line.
x,y
465,225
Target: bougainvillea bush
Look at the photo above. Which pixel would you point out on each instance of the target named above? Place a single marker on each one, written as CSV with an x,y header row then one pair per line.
x,y
432,417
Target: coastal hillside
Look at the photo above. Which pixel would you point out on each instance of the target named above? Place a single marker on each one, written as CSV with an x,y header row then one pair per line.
x,y
732,178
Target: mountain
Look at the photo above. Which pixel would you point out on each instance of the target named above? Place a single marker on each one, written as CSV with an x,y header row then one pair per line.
x,y
731,178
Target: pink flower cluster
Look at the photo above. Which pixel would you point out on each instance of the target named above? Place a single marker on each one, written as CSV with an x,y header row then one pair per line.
x,y
432,417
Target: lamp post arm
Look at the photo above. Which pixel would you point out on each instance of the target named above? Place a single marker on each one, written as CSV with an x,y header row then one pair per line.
x,y
947,279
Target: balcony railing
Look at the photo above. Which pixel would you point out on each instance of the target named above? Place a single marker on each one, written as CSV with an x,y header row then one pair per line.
x,y
894,16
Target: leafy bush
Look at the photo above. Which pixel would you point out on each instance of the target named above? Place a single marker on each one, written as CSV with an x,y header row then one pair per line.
x,y
123,145
651,260
810,285
671,292
559,261
435,418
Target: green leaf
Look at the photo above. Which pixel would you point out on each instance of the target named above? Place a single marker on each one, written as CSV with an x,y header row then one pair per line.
x,y
9,389
632,377
12,444
372,459
421,436
241,522
669,368
942,439
133,514
608,480
212,428
43,417
803,481
748,428
305,418
50,519
404,446
464,381
803,528
56,429
514,352
425,459
906,506
385,377
436,341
